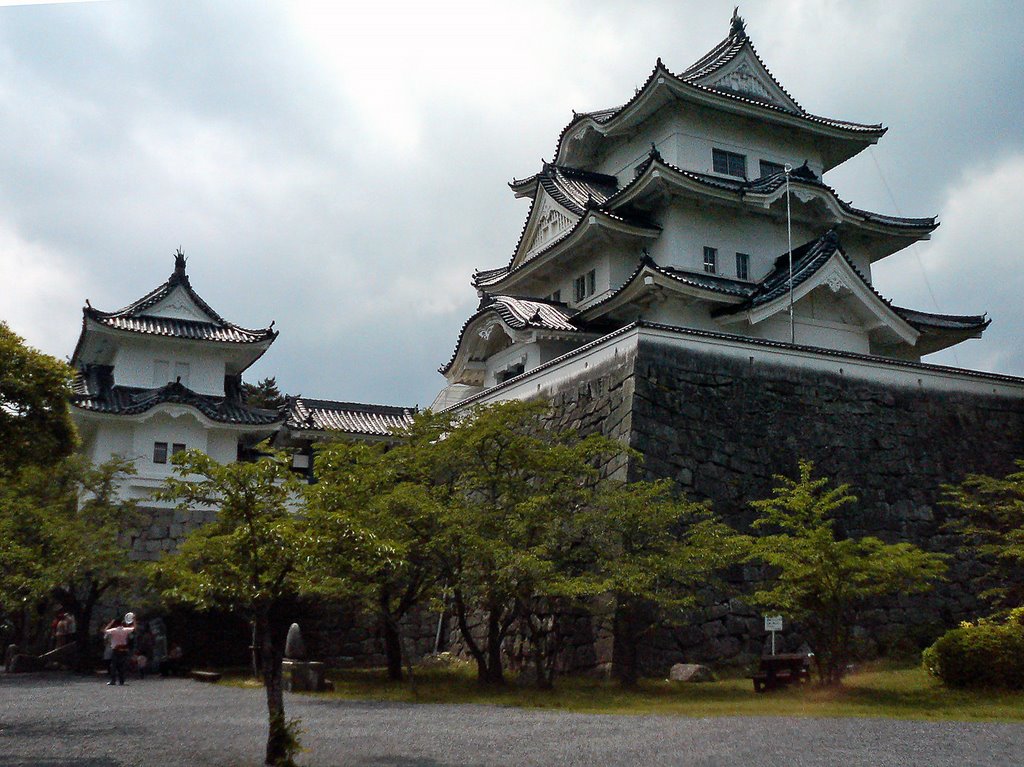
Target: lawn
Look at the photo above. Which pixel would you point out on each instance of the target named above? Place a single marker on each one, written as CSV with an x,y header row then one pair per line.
x,y
878,691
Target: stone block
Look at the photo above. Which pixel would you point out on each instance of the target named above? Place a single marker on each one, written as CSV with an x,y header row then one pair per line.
x,y
690,672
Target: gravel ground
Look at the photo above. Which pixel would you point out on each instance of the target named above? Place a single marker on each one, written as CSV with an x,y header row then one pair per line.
x,y
51,721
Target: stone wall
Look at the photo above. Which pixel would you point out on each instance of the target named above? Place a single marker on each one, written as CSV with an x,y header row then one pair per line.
x,y
721,428
165,529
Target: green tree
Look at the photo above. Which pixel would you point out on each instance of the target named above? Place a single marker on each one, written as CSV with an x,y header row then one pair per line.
x,y
67,534
264,394
655,552
253,559
823,582
511,545
35,426
991,520
371,489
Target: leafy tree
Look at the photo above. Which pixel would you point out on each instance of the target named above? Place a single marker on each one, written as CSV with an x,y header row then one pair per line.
x,y
823,582
264,394
66,534
992,522
655,551
252,559
370,489
512,493
35,426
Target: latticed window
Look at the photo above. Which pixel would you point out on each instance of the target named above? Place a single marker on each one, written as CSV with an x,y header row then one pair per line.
x,y
159,452
729,163
585,285
770,168
711,260
742,266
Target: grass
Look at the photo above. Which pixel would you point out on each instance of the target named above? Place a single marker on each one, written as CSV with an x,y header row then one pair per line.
x,y
876,691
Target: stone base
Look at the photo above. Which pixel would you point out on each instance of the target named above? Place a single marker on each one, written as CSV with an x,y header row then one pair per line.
x,y
303,676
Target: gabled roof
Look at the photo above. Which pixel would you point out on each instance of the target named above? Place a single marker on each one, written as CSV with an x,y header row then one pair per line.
x,y
711,285
574,189
138,317
610,221
305,414
130,400
754,92
518,314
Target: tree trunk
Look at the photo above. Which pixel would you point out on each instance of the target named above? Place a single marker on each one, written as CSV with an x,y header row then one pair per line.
x,y
494,673
625,665
279,748
392,646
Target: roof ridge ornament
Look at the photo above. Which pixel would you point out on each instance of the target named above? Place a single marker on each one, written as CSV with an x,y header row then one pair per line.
x,y
179,277
738,27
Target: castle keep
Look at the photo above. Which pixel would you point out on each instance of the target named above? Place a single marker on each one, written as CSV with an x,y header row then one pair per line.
x,y
686,281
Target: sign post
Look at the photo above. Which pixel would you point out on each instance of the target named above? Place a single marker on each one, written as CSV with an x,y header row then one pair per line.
x,y
773,623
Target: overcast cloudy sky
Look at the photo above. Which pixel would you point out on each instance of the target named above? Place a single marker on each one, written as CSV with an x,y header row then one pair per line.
x,y
342,169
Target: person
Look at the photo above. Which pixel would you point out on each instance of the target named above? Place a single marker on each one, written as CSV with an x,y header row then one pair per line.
x,y
55,629
65,629
120,633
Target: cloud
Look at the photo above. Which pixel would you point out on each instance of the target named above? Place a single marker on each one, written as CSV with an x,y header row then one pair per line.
x,y
972,264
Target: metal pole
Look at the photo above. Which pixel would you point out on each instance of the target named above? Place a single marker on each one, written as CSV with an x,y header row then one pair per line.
x,y
773,643
792,326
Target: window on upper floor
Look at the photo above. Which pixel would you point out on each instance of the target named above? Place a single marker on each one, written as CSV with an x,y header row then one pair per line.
x,y
177,447
710,260
742,266
556,297
729,163
159,452
585,285
769,168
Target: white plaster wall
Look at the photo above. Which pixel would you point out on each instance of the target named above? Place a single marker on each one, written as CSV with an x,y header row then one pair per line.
x,y
527,353
164,427
110,439
687,228
135,358
686,133
812,332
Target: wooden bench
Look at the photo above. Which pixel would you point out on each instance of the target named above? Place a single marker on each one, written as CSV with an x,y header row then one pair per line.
x,y
777,671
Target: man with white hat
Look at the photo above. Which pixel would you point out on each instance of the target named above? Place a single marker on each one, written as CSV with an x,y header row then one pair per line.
x,y
118,633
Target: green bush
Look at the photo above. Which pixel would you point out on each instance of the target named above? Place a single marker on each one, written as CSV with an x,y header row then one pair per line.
x,y
988,653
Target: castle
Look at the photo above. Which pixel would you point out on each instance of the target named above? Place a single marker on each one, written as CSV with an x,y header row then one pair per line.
x,y
686,282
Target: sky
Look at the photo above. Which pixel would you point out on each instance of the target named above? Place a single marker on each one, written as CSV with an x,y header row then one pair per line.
x,y
341,169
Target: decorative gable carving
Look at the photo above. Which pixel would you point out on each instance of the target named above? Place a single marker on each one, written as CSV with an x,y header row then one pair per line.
x,y
746,76
550,221
179,306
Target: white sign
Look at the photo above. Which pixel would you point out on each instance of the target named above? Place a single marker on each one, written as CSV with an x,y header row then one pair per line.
x,y
773,623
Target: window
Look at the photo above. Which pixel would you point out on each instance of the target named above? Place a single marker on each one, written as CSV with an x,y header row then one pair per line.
x,y
159,452
161,372
181,372
556,297
771,168
742,266
177,447
710,260
585,285
729,163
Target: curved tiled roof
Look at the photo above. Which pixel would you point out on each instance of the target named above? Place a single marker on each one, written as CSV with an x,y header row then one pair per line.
x,y
135,319
765,185
351,417
574,189
723,53
927,321
130,400
518,314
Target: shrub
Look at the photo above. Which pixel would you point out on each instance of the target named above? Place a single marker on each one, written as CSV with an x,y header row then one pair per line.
x,y
988,653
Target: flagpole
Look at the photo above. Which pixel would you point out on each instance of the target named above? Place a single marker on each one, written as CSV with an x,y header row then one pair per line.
x,y
789,235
